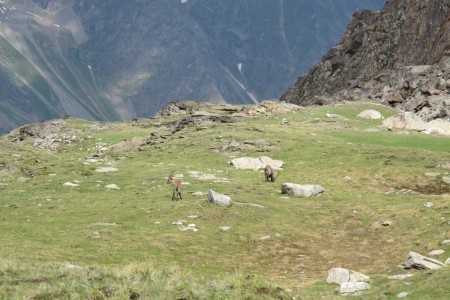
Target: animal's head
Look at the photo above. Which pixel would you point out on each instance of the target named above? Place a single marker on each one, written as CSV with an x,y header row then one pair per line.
x,y
170,178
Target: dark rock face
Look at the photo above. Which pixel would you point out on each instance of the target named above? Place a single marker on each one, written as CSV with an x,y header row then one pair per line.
x,y
397,56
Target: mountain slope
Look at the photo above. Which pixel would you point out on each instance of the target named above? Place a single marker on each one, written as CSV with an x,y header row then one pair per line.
x,y
118,60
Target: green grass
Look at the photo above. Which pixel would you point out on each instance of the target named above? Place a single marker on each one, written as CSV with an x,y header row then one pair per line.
x,y
46,225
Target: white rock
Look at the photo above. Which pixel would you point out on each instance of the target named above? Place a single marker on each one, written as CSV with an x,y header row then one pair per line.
x,y
403,295
298,190
436,252
342,275
225,228
256,163
197,194
417,261
219,199
447,262
370,114
70,184
401,276
428,204
106,170
353,287
112,186
444,242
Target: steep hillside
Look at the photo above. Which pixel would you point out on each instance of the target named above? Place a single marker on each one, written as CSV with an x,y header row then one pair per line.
x,y
110,60
397,56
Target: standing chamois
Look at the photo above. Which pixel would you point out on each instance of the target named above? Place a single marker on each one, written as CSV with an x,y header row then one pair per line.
x,y
270,174
176,187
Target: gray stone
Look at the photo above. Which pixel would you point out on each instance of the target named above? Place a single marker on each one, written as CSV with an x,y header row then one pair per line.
x,y
405,120
444,242
342,275
417,261
403,295
370,114
219,199
401,276
436,252
112,186
106,170
256,163
353,287
298,190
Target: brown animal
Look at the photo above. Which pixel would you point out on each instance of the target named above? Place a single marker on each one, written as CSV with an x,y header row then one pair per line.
x,y
270,174
176,187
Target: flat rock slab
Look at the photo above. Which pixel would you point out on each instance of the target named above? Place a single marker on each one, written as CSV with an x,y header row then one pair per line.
x,y
342,275
353,287
106,170
417,261
299,190
251,163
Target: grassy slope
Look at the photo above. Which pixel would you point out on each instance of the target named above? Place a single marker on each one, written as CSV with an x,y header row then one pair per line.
x,y
46,225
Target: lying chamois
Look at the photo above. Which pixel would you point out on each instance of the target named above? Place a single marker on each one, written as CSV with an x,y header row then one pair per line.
x,y
176,187
270,174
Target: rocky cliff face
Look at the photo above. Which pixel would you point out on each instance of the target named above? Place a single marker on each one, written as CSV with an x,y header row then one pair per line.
x,y
397,56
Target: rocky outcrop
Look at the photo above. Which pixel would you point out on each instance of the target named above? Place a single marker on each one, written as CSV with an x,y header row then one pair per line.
x,y
398,56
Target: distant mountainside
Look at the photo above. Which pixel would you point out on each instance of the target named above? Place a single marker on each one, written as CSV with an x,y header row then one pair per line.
x,y
398,56
111,60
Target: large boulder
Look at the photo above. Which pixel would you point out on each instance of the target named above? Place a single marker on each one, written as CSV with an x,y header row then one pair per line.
x,y
299,190
405,121
251,163
219,199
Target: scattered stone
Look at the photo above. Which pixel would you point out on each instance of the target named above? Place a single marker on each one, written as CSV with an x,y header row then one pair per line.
x,y
400,277
179,222
197,194
298,190
256,163
219,199
106,170
70,184
331,116
428,204
436,252
417,261
71,266
192,227
446,179
432,174
403,295
112,186
193,216
225,228
447,262
370,114
104,224
387,223
342,275
353,287
347,178
444,242
250,204
263,238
